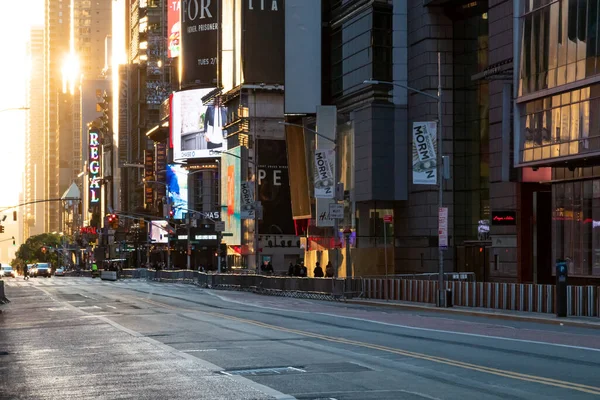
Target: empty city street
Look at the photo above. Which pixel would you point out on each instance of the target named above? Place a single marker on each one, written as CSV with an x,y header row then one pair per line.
x,y
75,338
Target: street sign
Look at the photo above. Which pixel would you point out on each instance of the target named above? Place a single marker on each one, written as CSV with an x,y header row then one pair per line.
x,y
443,227
227,234
219,226
388,219
336,211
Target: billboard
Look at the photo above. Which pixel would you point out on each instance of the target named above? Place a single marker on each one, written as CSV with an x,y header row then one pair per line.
x,y
298,174
199,43
263,49
94,168
424,157
158,232
327,127
324,176
231,195
274,188
148,176
174,25
161,166
197,128
302,56
177,188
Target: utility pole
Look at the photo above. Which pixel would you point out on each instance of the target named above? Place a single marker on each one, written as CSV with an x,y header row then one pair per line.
x,y
441,298
189,241
440,172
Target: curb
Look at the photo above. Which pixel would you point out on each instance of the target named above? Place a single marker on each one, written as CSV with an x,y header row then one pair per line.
x,y
455,311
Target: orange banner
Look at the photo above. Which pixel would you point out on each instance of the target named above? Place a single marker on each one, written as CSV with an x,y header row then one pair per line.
x,y
299,189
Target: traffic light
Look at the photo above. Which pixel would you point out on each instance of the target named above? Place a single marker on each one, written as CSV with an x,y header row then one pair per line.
x,y
14,244
1,228
113,221
14,215
44,249
171,211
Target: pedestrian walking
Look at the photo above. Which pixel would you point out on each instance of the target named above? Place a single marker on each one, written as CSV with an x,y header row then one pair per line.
x,y
329,271
291,270
318,271
303,271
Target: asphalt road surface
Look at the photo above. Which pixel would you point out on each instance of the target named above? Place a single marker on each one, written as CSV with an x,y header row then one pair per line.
x,y
82,338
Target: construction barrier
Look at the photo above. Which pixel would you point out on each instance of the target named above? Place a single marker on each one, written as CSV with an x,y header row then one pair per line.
x,y
582,301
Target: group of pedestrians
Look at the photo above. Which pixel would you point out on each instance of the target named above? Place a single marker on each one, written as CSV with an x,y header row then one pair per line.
x,y
301,271
318,271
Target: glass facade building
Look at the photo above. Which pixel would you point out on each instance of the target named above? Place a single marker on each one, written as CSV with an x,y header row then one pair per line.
x,y
559,121
559,43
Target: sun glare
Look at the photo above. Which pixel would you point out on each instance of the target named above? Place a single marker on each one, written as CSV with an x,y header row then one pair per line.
x,y
15,22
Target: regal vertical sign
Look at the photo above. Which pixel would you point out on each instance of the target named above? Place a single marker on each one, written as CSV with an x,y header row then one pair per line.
x,y
94,168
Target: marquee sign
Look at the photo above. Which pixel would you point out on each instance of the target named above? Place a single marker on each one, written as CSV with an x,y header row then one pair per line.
x,y
94,169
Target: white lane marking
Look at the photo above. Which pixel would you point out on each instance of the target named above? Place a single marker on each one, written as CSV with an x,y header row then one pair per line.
x,y
567,346
198,350
89,307
113,307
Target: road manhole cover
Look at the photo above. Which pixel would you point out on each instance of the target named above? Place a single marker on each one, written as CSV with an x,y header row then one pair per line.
x,y
265,371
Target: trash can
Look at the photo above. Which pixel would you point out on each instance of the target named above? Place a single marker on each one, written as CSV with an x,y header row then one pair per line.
x,y
449,299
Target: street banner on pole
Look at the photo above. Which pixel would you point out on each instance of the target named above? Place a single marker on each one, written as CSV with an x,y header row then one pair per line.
x,y
247,203
324,167
443,227
424,153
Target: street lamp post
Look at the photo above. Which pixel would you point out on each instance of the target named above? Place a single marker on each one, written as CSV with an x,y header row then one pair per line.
x,y
166,185
14,109
438,98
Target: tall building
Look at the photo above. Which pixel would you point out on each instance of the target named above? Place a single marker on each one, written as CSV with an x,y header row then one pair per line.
x,y
557,138
391,193
34,185
56,48
74,49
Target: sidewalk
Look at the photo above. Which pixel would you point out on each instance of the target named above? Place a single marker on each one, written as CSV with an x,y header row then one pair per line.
x,y
541,318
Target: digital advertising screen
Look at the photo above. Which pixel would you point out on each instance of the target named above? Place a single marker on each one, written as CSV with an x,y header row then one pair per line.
x,y
197,128
178,189
174,23
230,195
158,232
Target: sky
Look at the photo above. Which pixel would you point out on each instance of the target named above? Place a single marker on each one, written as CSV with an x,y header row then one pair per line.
x,y
15,21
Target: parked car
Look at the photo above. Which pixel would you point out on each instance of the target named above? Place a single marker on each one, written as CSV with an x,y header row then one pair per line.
x,y
59,272
42,269
7,270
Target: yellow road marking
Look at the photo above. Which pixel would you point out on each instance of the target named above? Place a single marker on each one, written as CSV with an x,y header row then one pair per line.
x,y
421,356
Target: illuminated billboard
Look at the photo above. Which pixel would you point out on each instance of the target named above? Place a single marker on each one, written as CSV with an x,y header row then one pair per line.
x,y
197,128
177,187
198,58
230,196
174,24
158,232
94,168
